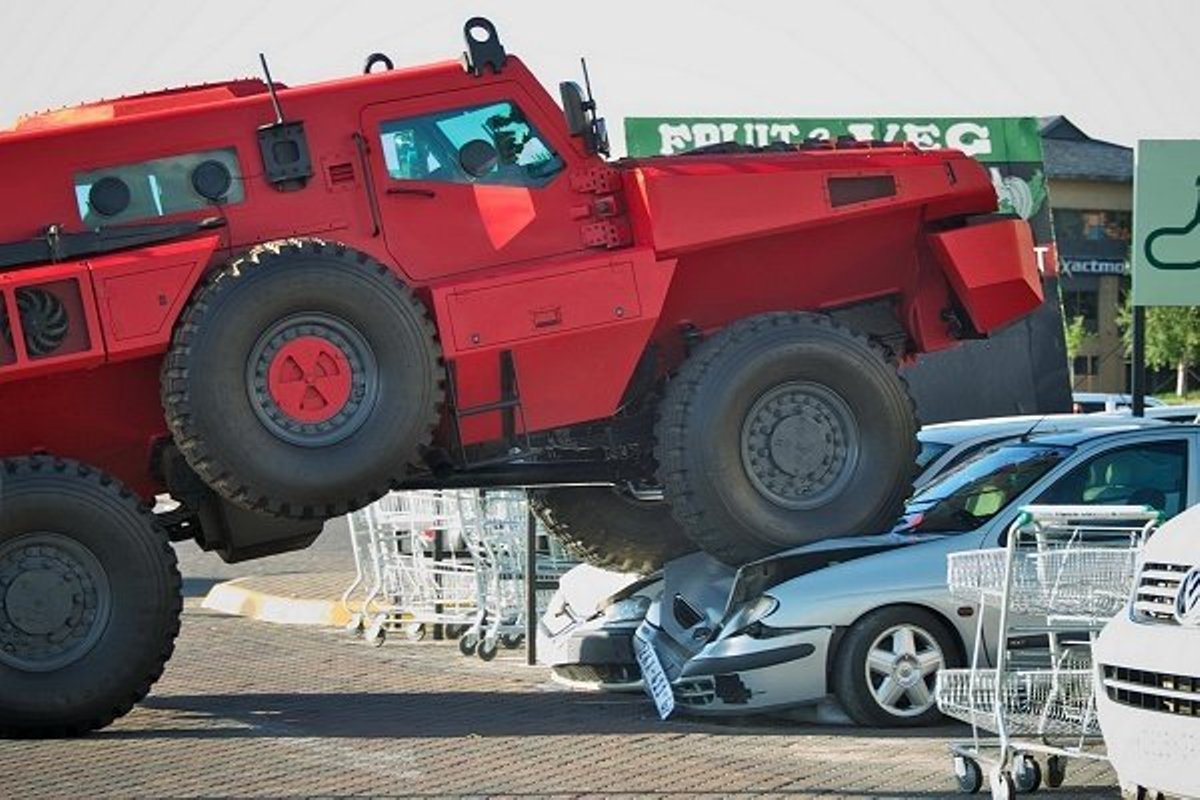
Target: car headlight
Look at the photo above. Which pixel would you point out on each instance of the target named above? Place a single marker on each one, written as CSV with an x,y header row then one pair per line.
x,y
631,609
749,613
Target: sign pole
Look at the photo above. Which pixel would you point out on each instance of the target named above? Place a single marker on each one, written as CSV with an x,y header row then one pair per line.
x,y
1138,379
531,587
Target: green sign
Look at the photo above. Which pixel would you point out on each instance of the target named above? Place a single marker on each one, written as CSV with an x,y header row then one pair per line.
x,y
1166,224
989,139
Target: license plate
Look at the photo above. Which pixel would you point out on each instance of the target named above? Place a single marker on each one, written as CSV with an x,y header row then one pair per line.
x,y
654,677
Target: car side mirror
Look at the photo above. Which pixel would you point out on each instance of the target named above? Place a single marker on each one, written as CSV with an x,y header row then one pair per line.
x,y
574,107
478,157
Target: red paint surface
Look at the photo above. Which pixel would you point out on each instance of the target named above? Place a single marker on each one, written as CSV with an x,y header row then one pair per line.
x,y
310,379
692,241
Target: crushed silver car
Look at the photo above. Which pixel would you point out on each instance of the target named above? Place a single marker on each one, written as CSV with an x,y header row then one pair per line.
x,y
868,620
585,633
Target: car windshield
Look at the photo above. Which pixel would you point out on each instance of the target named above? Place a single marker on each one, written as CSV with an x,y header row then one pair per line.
x,y
977,490
930,451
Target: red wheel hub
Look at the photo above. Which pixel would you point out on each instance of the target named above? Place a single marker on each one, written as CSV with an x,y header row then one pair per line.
x,y
310,379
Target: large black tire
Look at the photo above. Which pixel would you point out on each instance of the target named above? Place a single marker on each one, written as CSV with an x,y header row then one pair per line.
x,y
858,686
606,529
89,598
272,346
784,429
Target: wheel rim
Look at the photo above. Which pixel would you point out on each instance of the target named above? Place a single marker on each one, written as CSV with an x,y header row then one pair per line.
x,y
312,379
800,445
55,602
901,668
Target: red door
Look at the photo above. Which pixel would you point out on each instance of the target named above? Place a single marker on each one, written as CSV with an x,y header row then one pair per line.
x,y
468,180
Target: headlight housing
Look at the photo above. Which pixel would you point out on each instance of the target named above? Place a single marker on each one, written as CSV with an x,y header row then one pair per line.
x,y
749,613
631,609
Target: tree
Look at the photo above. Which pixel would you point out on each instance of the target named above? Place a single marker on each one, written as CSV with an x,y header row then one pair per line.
x,y
1172,338
1075,334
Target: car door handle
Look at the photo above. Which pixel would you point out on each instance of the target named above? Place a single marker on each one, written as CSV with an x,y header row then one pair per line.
x,y
412,191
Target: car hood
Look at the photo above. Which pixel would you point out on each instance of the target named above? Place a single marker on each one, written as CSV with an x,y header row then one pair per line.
x,y
758,576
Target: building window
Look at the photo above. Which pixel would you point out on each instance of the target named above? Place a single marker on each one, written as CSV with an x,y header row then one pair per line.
x,y
1083,303
1086,365
1093,233
1093,242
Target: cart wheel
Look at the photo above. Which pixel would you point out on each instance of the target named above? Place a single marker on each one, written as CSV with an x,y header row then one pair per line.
x,y
1056,771
1001,784
467,643
1027,774
414,632
488,649
1140,793
968,774
356,626
375,635
512,641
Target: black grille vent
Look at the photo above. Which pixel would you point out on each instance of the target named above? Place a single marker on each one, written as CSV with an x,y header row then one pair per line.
x,y
1157,588
847,191
1153,691
341,173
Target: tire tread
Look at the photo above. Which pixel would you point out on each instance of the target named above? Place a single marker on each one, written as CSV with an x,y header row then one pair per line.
x,y
673,428
175,377
117,493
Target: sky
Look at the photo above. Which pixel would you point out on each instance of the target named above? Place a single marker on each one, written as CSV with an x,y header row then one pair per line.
x,y
1120,70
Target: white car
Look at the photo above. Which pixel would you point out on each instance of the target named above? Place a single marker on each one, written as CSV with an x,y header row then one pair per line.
x,y
584,635
1088,402
1165,413
1148,667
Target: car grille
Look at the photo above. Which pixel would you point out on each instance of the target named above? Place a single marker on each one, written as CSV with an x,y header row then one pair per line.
x,y
1157,587
1153,691
695,692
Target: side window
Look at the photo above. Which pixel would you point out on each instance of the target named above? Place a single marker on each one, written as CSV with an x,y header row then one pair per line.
x,y
1150,474
157,188
492,144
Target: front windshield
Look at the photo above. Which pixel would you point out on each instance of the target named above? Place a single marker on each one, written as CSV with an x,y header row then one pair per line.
x,y
977,490
929,451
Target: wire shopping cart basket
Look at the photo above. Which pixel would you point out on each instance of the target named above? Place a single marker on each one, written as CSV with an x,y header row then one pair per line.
x,y
453,558
495,531
1062,573
409,571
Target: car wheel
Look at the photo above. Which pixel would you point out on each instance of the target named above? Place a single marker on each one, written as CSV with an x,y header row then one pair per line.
x,y
887,665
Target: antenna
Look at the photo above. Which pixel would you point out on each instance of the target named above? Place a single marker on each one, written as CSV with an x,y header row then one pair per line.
x,y
1037,422
271,88
587,84
287,164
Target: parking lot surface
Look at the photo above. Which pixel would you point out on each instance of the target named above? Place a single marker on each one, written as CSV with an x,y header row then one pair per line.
x,y
251,709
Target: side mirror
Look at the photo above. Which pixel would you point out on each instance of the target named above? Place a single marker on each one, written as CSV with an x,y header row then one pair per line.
x,y
574,107
478,157
581,118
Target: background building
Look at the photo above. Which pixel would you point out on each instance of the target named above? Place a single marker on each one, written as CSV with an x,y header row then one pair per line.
x,y
1091,199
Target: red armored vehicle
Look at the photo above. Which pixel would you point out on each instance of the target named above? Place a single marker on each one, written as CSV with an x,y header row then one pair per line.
x,y
274,304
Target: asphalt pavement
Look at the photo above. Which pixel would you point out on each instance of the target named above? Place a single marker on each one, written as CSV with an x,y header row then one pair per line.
x,y
252,709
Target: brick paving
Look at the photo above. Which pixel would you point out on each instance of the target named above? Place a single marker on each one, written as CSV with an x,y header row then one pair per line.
x,y
257,710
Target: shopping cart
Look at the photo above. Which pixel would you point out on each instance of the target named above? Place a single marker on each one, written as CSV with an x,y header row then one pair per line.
x,y
408,568
453,558
1062,573
495,529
